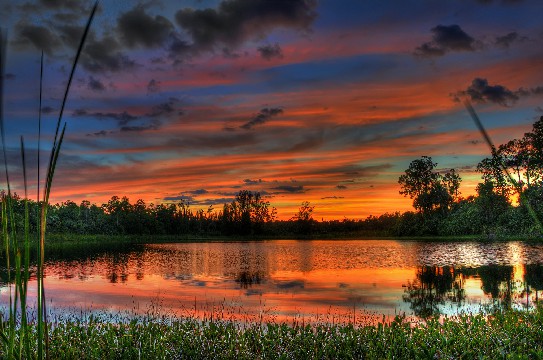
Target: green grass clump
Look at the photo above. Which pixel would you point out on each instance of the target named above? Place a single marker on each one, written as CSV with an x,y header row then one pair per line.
x,y
19,335
503,335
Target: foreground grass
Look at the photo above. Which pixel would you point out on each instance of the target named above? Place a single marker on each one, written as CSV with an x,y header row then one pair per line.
x,y
510,334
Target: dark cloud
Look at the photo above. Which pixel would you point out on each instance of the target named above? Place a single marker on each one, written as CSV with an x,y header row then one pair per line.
x,y
68,17
199,192
445,39
38,36
429,50
332,197
289,189
165,108
80,112
105,55
128,122
184,198
219,201
236,21
153,125
507,40
153,86
270,52
341,187
252,182
178,47
480,91
47,110
263,116
192,201
95,84
57,7
61,4
70,35
99,133
123,117
137,28
229,54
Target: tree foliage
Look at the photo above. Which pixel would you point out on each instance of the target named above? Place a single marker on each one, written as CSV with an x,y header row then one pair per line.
x,y
429,189
521,158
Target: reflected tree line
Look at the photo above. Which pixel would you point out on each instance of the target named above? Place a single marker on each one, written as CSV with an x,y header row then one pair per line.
x,y
434,287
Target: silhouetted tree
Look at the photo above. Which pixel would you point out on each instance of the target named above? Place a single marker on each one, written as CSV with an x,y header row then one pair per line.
x,y
247,214
429,190
304,218
490,206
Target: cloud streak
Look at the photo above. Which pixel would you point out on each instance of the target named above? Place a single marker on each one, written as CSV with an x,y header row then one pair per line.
x,y
262,117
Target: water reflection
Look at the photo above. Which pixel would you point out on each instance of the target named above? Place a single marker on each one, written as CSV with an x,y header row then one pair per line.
x,y
246,279
432,286
534,278
291,279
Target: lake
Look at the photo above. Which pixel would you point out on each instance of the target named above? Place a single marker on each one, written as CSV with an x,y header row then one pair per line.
x,y
295,281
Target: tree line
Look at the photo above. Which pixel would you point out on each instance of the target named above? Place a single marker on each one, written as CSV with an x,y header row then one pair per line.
x,y
514,169
248,214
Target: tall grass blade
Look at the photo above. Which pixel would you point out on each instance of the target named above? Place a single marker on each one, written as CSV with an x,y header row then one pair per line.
x,y
3,51
6,199
39,137
74,65
3,43
25,329
57,143
515,183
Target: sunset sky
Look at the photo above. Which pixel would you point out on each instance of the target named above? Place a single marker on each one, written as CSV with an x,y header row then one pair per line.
x,y
326,101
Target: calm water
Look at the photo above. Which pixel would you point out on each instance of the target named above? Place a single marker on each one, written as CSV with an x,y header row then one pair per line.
x,y
289,280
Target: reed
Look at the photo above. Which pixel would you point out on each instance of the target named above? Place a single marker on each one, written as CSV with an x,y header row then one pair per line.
x,y
16,333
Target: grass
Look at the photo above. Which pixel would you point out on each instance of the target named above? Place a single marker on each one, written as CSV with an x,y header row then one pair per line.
x,y
19,335
503,335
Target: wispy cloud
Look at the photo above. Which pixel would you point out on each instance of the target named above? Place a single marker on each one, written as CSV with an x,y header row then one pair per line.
x,y
262,117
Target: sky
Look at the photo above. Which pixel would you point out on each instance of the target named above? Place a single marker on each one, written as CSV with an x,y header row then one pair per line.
x,y
301,100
